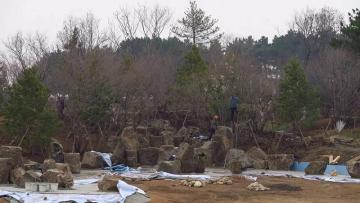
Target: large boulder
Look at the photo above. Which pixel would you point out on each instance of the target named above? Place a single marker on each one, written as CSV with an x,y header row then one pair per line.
x,y
166,152
173,167
149,156
168,137
257,157
92,160
190,162
207,150
48,164
111,143
356,158
50,175
144,141
256,153
73,159
64,167
156,126
178,140
183,132
64,179
32,176
32,165
237,157
143,130
204,155
235,167
118,154
56,151
129,138
280,161
131,158
14,153
353,168
186,157
5,167
223,142
109,183
200,162
17,177
316,168
182,135
156,141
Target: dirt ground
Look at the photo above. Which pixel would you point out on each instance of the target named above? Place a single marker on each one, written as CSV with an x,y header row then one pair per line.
x,y
287,190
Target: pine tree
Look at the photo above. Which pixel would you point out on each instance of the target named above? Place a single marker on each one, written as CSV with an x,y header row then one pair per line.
x,y
193,68
191,83
197,26
28,118
298,102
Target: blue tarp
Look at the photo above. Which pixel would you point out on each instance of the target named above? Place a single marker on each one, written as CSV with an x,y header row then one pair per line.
x,y
340,169
121,168
299,166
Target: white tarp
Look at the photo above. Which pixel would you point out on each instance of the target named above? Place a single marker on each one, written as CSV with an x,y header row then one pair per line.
x,y
85,181
55,198
106,157
126,190
164,175
298,174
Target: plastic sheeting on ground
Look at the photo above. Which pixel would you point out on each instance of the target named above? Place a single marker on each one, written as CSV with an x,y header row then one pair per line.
x,y
85,181
164,175
298,174
126,190
340,169
57,197
121,168
106,157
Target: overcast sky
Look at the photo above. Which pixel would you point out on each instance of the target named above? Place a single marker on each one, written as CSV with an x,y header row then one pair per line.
x,y
236,17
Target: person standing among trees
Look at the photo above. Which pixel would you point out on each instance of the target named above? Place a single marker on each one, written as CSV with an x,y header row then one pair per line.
x,y
234,100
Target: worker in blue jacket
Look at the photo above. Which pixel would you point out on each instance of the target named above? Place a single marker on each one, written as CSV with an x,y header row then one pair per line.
x,y
234,100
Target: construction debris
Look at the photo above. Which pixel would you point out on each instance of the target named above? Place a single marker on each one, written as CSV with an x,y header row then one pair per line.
x,y
221,181
193,183
202,183
257,187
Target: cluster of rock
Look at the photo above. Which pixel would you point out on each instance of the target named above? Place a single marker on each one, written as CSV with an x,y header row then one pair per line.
x,y
14,170
202,183
158,142
193,183
255,186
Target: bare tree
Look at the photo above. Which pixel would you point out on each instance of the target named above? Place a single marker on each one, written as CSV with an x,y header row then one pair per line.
x,y
16,47
127,22
336,74
38,47
90,34
65,35
317,28
153,20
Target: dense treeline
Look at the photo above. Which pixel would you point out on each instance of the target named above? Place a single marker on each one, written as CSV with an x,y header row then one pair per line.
x,y
99,81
